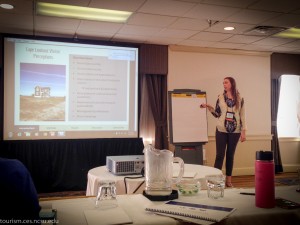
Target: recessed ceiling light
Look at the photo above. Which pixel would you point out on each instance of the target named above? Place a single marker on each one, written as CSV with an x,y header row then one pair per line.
x,y
6,6
229,28
77,12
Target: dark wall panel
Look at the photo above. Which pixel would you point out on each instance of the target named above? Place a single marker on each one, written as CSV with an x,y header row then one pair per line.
x,y
284,64
154,59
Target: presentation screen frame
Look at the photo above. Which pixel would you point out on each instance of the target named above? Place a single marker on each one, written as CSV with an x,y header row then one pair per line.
x,y
124,106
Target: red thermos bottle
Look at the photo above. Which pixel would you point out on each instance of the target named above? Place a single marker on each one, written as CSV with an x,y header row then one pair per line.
x,y
264,180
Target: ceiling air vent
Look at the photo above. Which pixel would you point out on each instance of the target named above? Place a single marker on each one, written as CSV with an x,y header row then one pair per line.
x,y
264,30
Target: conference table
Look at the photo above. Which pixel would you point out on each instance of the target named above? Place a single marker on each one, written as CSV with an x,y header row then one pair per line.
x,y
74,211
128,184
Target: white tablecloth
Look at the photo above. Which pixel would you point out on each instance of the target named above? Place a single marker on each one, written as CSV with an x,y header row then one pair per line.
x,y
101,173
71,211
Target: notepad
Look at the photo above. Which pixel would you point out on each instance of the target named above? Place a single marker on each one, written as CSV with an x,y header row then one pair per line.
x,y
187,211
111,216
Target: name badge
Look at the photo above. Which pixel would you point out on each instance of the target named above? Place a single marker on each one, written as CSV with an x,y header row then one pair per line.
x,y
229,115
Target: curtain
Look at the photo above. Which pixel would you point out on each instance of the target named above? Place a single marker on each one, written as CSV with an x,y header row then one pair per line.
x,y
147,124
63,165
153,94
275,90
157,92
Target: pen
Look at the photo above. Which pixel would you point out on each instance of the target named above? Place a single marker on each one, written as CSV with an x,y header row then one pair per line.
x,y
246,193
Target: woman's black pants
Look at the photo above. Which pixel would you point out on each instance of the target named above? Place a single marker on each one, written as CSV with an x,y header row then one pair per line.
x,y
226,144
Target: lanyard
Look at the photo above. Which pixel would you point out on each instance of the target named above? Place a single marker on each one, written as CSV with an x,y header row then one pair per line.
x,y
229,101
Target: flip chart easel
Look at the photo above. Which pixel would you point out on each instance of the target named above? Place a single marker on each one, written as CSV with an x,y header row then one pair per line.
x,y
188,124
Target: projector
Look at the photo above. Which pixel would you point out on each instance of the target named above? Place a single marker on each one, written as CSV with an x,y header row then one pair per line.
x,y
125,164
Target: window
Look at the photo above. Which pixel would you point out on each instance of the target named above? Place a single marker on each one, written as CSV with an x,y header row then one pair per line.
x,y
288,117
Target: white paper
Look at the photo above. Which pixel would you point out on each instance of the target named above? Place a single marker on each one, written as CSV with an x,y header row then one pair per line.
x,y
110,216
189,121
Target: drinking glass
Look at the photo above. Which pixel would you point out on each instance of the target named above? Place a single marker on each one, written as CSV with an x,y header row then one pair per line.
x,y
106,196
215,186
189,187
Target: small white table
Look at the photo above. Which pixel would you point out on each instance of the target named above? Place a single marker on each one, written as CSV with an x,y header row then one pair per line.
x,y
101,173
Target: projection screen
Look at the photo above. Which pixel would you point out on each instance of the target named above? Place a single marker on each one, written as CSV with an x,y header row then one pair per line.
x,y
66,90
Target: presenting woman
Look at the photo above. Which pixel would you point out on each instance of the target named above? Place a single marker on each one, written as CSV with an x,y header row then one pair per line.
x,y
231,125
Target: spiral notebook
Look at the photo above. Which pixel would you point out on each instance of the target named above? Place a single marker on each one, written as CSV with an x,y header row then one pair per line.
x,y
195,211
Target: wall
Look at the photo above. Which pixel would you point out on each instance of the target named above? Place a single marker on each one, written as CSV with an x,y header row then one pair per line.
x,y
204,69
290,153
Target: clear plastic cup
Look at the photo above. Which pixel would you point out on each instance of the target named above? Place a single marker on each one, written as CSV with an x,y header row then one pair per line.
x,y
106,197
215,186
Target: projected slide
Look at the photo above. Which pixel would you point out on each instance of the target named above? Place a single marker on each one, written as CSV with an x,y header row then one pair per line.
x,y
57,90
288,118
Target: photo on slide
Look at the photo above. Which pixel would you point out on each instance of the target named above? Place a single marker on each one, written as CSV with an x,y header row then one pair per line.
x,y
41,100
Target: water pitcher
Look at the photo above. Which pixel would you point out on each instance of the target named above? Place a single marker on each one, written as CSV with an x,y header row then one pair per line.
x,y
159,171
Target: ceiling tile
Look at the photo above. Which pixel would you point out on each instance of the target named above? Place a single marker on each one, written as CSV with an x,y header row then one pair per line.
x,y
293,44
166,7
285,49
86,26
56,22
94,34
54,32
273,41
190,24
139,30
232,3
239,27
130,38
164,40
227,45
251,16
179,22
198,43
192,1
246,39
253,47
210,36
175,33
285,20
131,5
16,30
276,5
150,20
21,7
211,12
13,20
